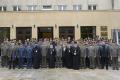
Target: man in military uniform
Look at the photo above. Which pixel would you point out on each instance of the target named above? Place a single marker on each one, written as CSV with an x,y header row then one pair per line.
x,y
4,52
58,55
21,55
83,55
92,55
114,53
29,56
105,55
44,48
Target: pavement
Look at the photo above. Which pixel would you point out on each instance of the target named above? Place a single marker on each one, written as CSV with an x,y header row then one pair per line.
x,y
59,74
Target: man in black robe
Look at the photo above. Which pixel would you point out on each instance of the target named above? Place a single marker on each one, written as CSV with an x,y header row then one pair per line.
x,y
76,56
36,56
68,57
51,56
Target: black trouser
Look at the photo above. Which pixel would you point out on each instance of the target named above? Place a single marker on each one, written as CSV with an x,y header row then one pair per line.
x,y
87,62
12,63
4,61
115,63
82,62
104,62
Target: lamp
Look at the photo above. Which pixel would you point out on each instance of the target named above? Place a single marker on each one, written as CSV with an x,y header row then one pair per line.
x,y
55,26
77,25
34,25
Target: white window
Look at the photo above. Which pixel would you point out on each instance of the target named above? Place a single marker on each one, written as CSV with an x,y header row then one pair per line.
x,y
77,7
32,7
47,7
92,7
16,8
116,35
3,8
62,7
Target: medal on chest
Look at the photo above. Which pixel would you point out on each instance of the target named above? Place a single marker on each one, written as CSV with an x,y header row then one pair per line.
x,y
75,52
36,51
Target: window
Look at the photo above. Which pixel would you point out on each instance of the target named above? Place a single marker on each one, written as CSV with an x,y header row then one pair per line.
x,y
47,7
76,7
3,8
32,7
16,8
92,7
104,32
62,7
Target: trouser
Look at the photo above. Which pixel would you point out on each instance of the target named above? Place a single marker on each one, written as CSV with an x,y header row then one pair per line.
x,y
29,63
12,63
82,62
104,62
87,62
115,63
20,62
44,62
58,62
4,61
97,63
92,62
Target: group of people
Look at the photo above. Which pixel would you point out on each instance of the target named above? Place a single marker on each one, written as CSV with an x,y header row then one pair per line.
x,y
59,53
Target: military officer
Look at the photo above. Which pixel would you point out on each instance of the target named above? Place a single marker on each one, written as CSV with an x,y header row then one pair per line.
x,y
29,56
58,55
114,53
92,55
44,48
83,56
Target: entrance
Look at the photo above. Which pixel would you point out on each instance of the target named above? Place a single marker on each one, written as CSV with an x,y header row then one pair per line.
x,y
88,32
4,33
23,33
65,32
45,32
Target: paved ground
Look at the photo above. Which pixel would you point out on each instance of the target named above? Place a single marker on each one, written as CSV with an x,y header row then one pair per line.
x,y
58,74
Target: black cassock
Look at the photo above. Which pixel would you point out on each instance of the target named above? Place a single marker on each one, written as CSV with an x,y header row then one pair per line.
x,y
36,57
51,57
68,58
76,57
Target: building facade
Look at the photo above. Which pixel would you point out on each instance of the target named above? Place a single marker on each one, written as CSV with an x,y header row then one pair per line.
x,y
22,19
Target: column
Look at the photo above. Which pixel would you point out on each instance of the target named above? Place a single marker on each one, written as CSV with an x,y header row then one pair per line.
x,y
98,31
12,32
56,31
34,31
109,32
77,32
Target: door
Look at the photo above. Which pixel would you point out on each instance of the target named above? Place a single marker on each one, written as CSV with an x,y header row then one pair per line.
x,y
4,33
45,32
66,31
23,33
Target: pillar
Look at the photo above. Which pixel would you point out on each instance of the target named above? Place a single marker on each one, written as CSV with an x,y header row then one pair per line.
x,y
55,31
34,32
12,32
98,32
77,32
